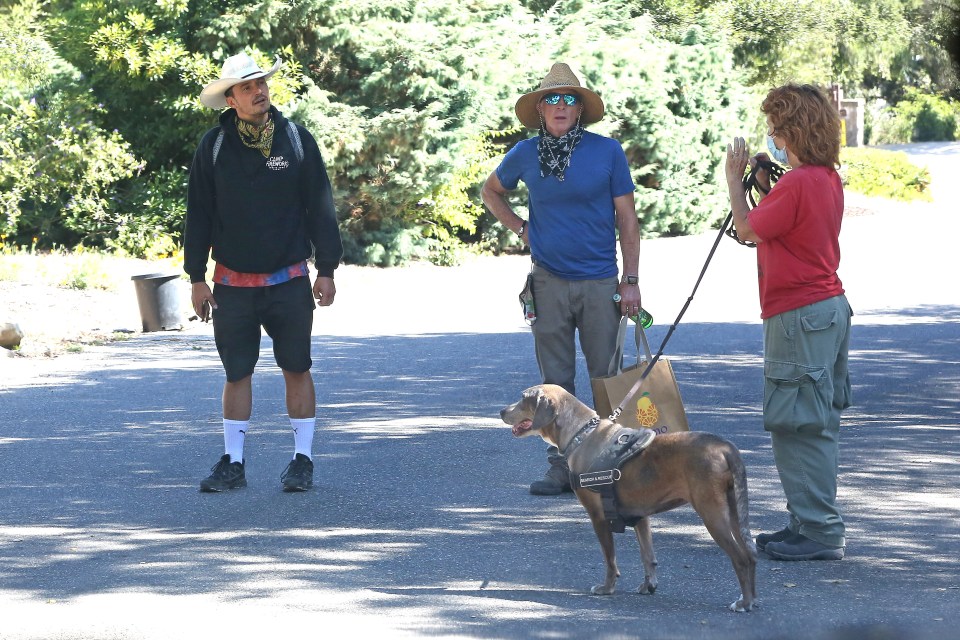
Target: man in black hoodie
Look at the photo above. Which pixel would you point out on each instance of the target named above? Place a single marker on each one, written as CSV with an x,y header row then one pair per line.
x,y
260,200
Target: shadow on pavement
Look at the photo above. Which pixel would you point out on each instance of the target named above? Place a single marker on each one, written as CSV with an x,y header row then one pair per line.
x,y
420,507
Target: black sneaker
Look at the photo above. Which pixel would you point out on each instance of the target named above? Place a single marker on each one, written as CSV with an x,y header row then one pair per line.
x,y
298,476
225,475
766,538
799,547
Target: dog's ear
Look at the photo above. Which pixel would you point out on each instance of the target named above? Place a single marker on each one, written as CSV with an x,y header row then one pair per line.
x,y
545,412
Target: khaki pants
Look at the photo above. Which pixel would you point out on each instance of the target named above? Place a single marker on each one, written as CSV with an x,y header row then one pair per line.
x,y
565,307
806,386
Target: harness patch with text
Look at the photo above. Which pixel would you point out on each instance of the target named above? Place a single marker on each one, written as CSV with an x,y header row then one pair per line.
x,y
623,444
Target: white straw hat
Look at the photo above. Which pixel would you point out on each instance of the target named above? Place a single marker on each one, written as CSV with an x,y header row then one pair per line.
x,y
236,69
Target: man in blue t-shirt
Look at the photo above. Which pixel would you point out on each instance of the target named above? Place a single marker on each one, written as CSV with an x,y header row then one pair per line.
x,y
580,195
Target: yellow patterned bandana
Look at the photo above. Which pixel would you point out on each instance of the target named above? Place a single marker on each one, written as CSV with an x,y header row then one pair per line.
x,y
256,137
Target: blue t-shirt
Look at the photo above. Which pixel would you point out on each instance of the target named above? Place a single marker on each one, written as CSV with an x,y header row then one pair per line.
x,y
572,227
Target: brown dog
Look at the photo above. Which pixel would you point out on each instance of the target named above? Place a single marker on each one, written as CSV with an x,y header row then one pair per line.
x,y
676,468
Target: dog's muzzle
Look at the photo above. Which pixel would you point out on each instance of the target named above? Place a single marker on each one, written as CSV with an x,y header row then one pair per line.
x,y
521,427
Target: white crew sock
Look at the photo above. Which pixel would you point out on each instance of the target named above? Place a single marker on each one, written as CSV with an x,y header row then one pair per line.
x,y
303,435
234,433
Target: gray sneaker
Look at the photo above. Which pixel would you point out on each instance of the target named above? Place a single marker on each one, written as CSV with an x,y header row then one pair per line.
x,y
555,481
298,476
224,475
766,538
799,547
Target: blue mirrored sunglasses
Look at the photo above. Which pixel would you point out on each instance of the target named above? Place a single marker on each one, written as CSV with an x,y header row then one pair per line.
x,y
569,99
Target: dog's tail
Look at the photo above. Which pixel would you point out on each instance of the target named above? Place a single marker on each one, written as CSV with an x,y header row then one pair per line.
x,y
739,499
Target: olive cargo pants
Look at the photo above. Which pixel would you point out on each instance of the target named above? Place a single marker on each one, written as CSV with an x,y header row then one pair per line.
x,y
806,386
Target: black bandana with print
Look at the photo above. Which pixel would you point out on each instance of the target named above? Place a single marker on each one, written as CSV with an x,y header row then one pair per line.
x,y
555,153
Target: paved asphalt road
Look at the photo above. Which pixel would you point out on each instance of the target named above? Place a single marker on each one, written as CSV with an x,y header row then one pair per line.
x,y
420,524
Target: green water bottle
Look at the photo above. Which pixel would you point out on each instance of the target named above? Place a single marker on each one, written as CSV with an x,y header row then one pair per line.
x,y
642,317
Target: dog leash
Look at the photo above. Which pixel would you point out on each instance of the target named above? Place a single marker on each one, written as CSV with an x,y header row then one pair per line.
x,y
775,171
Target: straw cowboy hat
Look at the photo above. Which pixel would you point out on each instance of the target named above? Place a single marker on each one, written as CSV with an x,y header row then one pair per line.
x,y
560,77
236,69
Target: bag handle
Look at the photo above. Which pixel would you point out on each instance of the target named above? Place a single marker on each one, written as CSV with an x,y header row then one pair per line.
x,y
616,360
639,335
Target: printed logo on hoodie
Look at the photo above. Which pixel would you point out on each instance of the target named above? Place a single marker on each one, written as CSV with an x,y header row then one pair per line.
x,y
277,163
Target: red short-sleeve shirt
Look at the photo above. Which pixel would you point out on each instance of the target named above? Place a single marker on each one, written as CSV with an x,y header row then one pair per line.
x,y
798,224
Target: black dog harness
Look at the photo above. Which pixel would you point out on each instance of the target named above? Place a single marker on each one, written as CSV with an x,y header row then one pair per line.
x,y
623,444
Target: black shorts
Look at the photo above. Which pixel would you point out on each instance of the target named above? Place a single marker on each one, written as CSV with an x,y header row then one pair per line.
x,y
285,311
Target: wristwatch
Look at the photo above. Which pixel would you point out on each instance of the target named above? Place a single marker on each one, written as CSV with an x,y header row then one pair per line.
x,y
631,279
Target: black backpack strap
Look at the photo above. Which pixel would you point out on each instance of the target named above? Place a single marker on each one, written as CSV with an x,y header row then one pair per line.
x,y
216,146
295,140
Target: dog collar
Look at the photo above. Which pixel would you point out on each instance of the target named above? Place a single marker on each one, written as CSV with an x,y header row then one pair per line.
x,y
580,435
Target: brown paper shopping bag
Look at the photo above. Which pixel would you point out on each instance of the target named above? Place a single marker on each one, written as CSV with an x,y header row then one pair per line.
x,y
655,405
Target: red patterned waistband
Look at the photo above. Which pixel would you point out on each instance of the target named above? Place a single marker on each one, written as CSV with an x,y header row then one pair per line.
x,y
231,278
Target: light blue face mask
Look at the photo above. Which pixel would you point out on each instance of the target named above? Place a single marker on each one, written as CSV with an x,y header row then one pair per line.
x,y
779,155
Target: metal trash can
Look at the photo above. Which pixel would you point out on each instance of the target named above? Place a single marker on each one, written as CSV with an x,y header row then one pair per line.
x,y
158,296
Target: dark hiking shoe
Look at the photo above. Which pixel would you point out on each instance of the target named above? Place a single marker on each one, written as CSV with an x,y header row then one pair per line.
x,y
555,481
766,538
798,547
224,475
298,476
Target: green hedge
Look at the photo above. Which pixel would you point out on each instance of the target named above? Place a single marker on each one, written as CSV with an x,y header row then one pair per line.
x,y
919,117
882,173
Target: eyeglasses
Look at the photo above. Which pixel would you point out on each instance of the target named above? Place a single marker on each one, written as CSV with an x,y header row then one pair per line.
x,y
569,99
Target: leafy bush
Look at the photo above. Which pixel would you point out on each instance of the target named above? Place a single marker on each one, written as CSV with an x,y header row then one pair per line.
x,y
152,215
934,118
919,117
59,169
887,174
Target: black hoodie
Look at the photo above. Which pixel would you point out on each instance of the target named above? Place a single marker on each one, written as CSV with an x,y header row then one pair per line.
x,y
258,214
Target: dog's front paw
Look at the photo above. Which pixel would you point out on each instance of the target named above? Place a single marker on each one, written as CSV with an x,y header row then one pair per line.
x,y
740,606
602,590
647,588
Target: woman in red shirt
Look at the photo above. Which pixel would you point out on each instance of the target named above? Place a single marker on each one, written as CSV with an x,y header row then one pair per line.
x,y
806,317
